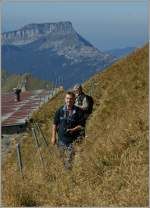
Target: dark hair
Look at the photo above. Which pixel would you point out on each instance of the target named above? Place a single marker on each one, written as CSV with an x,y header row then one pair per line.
x,y
70,93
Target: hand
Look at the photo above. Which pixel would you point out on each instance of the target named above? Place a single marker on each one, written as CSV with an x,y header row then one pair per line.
x,y
53,140
70,131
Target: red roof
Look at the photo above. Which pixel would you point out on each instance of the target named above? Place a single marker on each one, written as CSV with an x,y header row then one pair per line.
x,y
14,112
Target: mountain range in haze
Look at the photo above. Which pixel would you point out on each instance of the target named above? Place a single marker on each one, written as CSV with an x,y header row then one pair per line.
x,y
52,50
120,52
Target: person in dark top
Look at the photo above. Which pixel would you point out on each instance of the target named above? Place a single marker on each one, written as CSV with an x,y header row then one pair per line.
x,y
18,92
82,103
68,121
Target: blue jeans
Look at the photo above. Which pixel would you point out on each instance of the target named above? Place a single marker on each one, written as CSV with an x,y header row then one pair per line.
x,y
69,153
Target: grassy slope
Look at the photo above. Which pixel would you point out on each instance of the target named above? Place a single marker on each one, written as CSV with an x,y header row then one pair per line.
x,y
11,81
111,166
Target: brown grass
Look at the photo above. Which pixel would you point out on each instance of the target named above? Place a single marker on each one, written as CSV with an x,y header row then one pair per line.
x,y
111,166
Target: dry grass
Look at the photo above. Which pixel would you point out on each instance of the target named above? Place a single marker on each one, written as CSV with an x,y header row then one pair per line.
x,y
111,166
11,81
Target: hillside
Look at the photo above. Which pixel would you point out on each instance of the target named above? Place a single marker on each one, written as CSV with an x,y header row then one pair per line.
x,y
10,81
111,166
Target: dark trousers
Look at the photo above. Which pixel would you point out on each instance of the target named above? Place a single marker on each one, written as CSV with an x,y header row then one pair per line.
x,y
18,97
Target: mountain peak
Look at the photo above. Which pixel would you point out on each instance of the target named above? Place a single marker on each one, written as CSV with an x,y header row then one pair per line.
x,y
33,31
50,49
48,26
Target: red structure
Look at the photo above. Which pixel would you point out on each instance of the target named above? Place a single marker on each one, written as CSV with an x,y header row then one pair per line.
x,y
17,113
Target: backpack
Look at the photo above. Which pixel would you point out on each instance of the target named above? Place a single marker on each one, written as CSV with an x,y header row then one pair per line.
x,y
90,102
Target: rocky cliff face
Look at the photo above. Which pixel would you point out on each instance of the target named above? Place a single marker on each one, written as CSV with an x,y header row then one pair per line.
x,y
52,49
32,32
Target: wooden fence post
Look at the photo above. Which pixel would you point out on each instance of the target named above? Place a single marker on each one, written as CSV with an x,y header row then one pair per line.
x,y
19,159
37,145
41,133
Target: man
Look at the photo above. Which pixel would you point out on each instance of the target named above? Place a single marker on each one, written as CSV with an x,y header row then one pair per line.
x,y
85,103
68,121
81,100
17,92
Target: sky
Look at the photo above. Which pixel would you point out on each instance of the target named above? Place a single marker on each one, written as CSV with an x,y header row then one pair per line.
x,y
106,24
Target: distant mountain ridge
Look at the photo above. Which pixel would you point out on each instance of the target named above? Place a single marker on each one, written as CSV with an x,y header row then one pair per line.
x,y
120,52
49,50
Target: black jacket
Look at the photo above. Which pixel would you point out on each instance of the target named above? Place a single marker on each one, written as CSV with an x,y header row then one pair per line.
x,y
64,121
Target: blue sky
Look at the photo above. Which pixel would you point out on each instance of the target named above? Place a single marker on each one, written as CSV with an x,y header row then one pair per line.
x,y
105,24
